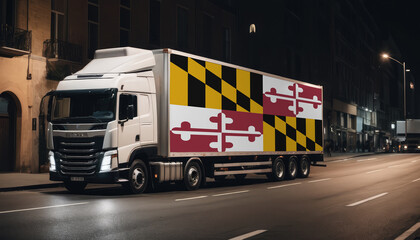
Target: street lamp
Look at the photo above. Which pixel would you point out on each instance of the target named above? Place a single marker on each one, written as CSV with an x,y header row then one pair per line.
x,y
386,56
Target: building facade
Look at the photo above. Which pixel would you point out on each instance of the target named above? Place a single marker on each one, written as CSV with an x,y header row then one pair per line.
x,y
42,41
335,44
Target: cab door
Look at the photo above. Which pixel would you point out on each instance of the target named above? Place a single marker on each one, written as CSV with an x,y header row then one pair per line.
x,y
128,126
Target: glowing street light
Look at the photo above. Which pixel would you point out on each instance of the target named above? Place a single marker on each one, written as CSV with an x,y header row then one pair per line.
x,y
386,56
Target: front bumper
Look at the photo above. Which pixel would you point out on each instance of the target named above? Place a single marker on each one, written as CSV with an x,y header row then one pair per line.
x,y
104,177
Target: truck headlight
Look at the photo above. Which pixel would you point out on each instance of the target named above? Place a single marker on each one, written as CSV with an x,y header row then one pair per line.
x,y
110,161
418,147
405,147
52,161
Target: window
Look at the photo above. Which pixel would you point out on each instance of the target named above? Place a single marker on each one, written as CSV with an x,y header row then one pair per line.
x,y
125,22
207,34
93,27
154,22
182,28
226,44
7,12
58,20
83,106
126,102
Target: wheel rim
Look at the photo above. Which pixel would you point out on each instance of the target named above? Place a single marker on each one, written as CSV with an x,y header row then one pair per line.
x,y
193,176
138,178
292,168
304,166
279,169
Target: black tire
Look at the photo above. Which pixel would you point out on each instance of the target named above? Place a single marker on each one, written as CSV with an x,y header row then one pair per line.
x,y
75,187
291,168
278,170
138,178
192,176
304,167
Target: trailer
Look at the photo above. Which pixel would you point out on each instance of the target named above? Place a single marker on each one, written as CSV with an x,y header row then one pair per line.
x,y
410,139
141,117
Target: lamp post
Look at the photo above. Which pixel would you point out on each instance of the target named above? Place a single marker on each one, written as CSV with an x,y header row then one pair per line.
x,y
386,56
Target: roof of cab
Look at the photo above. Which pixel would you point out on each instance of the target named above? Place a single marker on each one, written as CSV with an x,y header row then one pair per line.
x,y
119,60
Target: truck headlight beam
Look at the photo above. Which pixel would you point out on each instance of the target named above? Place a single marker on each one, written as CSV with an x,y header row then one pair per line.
x,y
110,161
52,161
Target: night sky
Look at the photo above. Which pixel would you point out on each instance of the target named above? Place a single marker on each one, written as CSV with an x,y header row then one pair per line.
x,y
401,19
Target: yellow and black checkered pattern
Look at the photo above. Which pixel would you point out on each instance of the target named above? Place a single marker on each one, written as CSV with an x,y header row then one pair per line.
x,y
292,134
204,84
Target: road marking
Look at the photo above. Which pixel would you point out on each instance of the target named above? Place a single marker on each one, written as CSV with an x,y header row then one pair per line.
x,y
367,199
342,160
367,159
285,185
191,198
410,231
230,193
418,179
46,207
374,171
320,180
248,235
398,165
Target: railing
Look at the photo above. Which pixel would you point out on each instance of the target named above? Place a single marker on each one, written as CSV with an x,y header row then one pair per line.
x,y
54,48
15,38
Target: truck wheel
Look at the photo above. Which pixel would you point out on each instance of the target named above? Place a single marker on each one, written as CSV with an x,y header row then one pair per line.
x,y
278,170
138,177
291,168
192,176
304,167
75,187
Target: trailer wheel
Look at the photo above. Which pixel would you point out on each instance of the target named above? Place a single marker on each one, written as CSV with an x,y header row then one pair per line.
x,y
278,170
304,167
192,176
138,177
75,187
291,168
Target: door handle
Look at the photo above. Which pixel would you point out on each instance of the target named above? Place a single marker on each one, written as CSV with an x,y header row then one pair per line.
x,y
137,137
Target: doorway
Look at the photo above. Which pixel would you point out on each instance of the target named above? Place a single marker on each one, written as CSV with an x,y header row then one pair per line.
x,y
8,120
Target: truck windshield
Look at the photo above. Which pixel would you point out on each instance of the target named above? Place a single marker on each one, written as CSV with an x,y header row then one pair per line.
x,y
83,106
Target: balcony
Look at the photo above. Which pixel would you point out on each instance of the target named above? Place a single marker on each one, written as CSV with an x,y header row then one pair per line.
x,y
14,41
63,58
62,50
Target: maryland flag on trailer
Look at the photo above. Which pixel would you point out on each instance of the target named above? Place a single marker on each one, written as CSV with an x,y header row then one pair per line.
x,y
218,108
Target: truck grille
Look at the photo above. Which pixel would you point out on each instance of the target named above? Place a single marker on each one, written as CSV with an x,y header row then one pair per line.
x,y
78,156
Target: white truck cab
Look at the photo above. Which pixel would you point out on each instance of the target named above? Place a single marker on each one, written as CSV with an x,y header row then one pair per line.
x,y
100,115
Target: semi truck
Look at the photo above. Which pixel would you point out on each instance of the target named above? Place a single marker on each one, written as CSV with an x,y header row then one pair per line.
x,y
143,117
412,142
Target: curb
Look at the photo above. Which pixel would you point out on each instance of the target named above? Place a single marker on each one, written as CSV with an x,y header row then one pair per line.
x,y
31,187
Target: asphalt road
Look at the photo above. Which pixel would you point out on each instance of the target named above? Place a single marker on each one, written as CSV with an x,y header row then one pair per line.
x,y
374,197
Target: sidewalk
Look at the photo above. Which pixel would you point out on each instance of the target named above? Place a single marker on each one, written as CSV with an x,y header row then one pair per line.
x,y
25,181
